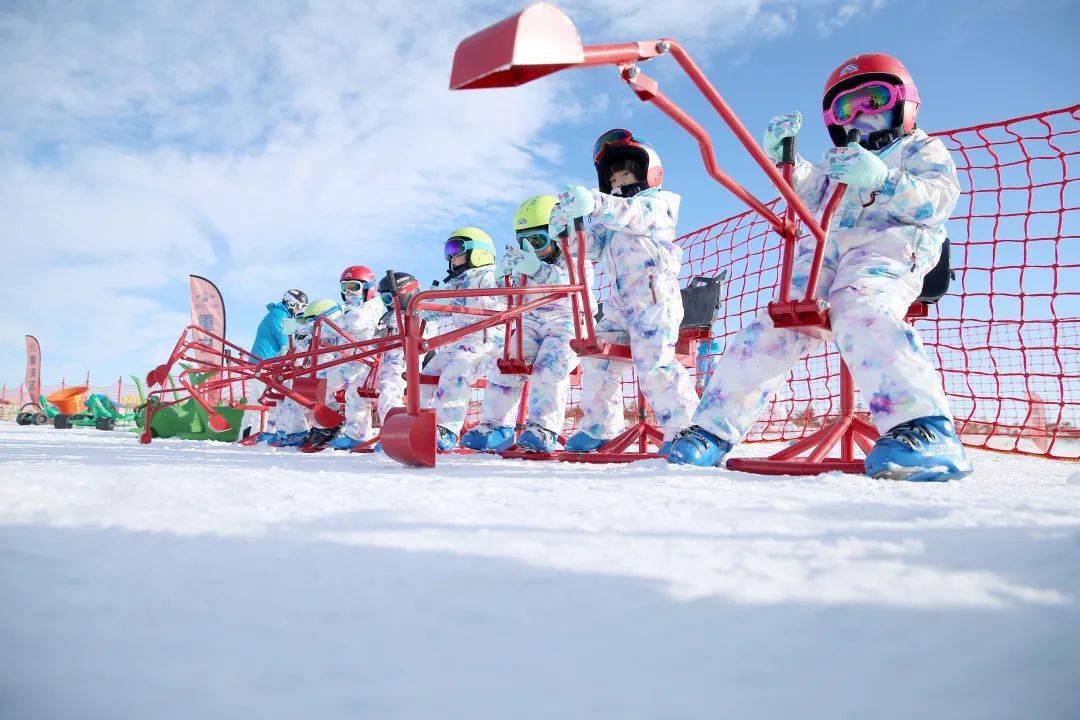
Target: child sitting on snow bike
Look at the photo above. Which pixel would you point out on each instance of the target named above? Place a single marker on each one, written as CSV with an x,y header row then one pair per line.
x,y
887,234
390,378
546,335
470,258
630,229
288,422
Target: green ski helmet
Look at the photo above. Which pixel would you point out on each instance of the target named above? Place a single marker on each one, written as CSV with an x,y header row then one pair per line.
x,y
321,308
473,240
531,223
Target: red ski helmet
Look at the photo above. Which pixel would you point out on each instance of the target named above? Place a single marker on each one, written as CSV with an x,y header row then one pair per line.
x,y
361,274
861,69
619,144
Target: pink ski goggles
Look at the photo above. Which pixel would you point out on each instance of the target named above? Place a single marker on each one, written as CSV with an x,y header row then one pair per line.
x,y
868,99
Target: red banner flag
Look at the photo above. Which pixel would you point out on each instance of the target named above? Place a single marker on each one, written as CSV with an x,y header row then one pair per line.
x,y
32,379
208,312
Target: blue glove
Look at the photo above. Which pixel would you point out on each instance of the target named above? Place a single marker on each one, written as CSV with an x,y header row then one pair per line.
x,y
577,201
779,129
856,166
529,262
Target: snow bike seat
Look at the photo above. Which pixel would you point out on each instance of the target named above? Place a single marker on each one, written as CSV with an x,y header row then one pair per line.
x,y
700,300
935,284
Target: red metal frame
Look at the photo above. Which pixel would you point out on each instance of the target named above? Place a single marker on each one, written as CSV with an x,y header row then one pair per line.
x,y
292,375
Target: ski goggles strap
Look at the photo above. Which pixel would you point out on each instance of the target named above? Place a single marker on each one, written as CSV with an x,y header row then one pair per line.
x,y
870,98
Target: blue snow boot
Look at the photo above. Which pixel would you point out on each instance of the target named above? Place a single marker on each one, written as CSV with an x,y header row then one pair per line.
x,y
342,441
921,450
446,440
266,437
486,437
665,449
582,442
697,446
295,439
537,439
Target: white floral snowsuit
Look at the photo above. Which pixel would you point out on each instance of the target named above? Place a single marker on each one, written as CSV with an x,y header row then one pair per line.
x,y
360,321
287,415
462,363
881,246
633,238
546,335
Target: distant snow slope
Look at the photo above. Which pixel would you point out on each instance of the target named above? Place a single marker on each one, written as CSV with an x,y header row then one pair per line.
x,y
200,580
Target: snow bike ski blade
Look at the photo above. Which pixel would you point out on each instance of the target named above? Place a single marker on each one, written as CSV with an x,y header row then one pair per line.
x,y
410,439
326,416
218,423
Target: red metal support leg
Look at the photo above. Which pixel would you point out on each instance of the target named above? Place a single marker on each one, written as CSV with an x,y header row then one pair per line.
x,y
847,430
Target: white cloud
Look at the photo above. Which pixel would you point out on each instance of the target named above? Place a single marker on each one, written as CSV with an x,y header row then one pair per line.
x,y
145,141
846,12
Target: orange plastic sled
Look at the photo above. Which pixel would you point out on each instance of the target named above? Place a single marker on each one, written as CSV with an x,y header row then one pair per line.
x,y
69,401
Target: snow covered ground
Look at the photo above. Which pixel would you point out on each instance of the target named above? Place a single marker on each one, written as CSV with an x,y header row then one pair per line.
x,y
200,580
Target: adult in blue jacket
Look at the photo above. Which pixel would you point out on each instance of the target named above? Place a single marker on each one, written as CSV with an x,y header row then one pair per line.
x,y
275,329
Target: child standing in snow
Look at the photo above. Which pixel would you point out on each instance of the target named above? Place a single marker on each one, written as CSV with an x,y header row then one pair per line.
x,y
630,228
887,234
546,335
470,258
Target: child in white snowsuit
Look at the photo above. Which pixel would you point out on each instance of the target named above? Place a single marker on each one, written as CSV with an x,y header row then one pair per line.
x,y
288,420
630,227
546,335
886,235
470,255
390,381
360,319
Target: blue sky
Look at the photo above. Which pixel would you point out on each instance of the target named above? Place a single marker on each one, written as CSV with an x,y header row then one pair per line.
x,y
268,145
